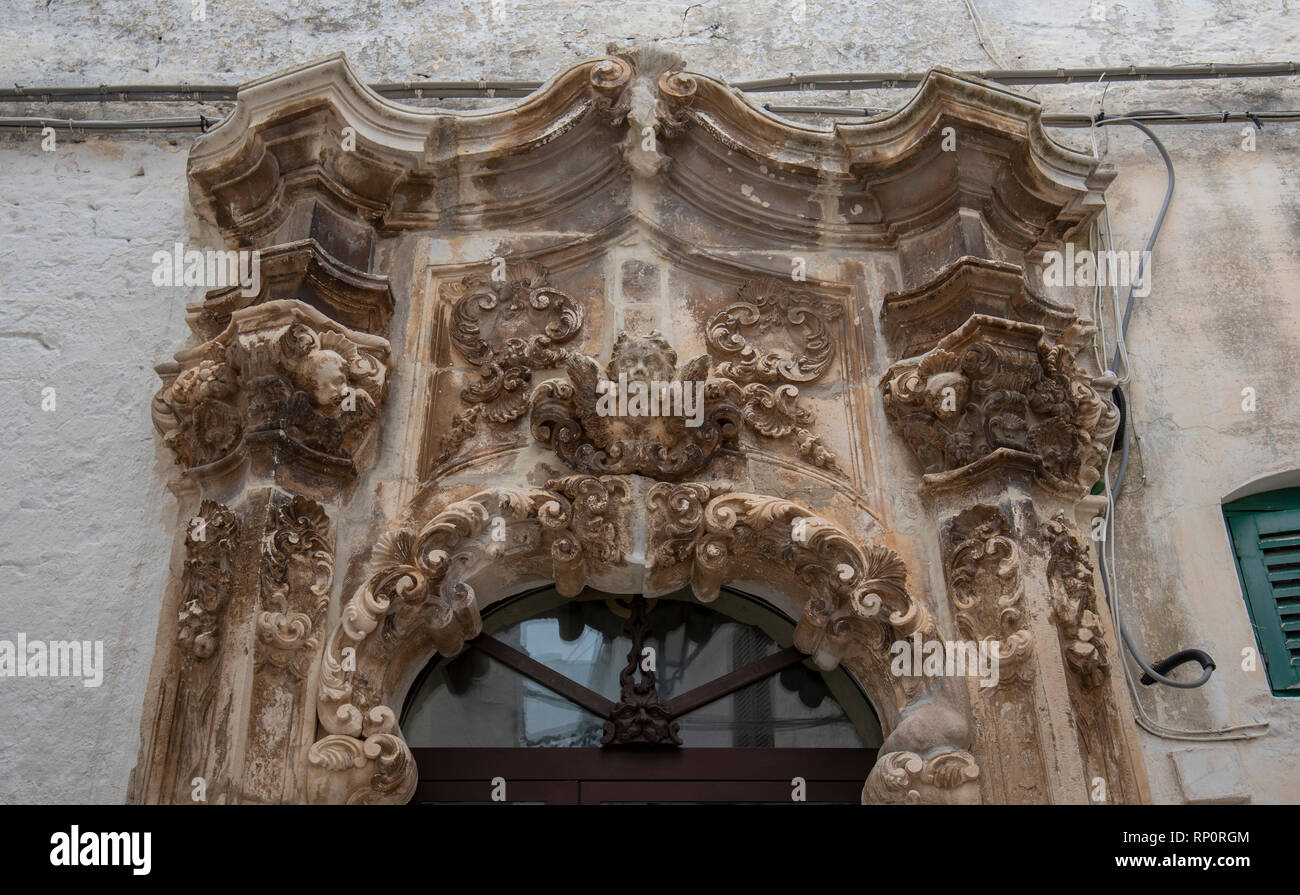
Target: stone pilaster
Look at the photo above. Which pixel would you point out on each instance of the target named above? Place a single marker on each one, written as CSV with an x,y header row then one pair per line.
x,y
1009,430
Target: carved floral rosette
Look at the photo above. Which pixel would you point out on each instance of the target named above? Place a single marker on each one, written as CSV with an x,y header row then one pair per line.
x,y
419,581
1074,601
984,573
507,322
996,385
280,371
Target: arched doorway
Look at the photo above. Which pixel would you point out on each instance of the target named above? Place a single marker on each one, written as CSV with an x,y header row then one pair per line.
x,y
607,699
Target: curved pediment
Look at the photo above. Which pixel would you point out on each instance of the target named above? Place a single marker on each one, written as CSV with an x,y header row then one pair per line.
x,y
585,144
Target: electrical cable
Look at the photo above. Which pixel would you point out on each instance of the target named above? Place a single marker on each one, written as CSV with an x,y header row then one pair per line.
x,y
1151,674
1197,71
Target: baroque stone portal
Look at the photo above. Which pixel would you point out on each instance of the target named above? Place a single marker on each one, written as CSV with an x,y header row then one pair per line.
x,y
633,333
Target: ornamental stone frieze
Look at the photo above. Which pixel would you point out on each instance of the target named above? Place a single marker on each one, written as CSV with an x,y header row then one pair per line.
x,y
281,382
999,391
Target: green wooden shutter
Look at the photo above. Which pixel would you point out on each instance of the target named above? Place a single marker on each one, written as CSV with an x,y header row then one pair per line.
x,y
1266,538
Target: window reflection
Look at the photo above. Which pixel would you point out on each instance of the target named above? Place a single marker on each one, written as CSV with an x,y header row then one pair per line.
x,y
474,701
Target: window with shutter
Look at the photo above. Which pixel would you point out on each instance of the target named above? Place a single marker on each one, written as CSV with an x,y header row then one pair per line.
x,y
1266,540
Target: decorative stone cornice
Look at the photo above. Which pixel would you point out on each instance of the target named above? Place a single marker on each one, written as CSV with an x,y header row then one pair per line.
x,y
997,391
317,132
280,377
916,319
305,271
286,140
891,177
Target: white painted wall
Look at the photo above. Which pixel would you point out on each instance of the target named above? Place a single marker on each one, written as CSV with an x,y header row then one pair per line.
x,y
85,534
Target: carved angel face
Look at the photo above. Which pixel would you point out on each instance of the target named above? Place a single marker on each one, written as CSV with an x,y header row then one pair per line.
x,y
323,375
642,358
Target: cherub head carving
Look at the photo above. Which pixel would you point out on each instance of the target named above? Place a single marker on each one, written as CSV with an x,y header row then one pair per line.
x,y
642,358
323,375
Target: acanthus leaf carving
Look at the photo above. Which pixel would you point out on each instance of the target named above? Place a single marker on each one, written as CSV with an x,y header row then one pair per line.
x,y
595,427
208,579
1074,601
984,567
419,581
297,569
908,779
584,422
857,595
507,326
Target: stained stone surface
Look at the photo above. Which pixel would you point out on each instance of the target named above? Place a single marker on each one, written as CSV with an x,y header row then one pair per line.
x,y
88,533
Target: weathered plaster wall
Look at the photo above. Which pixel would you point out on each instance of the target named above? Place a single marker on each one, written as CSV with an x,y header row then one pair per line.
x,y
87,533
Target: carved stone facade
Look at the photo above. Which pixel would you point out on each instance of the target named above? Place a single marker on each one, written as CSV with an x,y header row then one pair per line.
x,y
540,270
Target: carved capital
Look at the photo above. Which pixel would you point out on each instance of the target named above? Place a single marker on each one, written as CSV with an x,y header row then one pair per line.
x,y
282,375
998,390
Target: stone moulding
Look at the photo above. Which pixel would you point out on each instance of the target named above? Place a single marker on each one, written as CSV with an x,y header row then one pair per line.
x,y
1039,192
916,319
303,270
997,389
282,375
887,179
284,140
